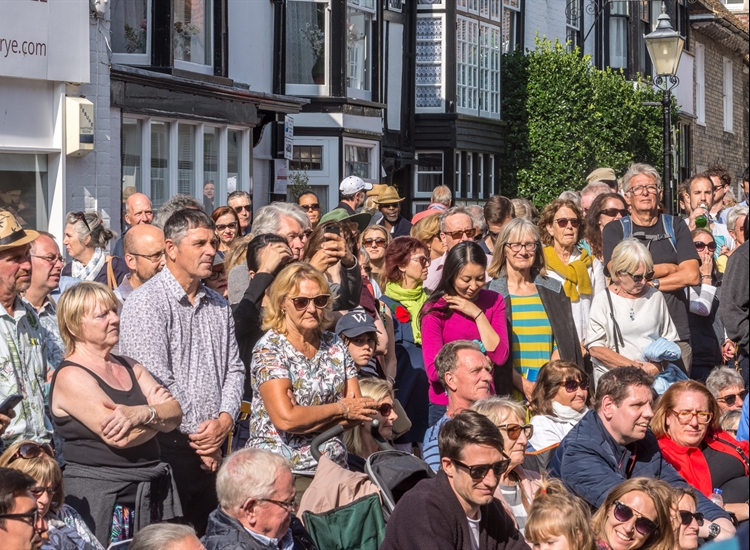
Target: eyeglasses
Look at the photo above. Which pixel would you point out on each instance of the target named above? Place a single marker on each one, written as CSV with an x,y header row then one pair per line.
x,y
424,261
155,257
385,409
514,430
701,246
223,226
571,384
456,235
81,216
612,212
246,207
686,518
39,491
731,398
563,222
290,505
51,258
686,417
643,525
308,207
33,450
639,278
379,243
516,247
479,471
644,190
29,517
301,302
215,275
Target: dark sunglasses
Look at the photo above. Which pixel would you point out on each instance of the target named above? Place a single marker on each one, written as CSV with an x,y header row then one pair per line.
x,y
385,409
479,471
514,430
223,226
639,278
563,222
380,243
686,518
455,235
612,212
245,207
314,206
700,246
301,302
731,399
81,216
571,384
33,450
624,513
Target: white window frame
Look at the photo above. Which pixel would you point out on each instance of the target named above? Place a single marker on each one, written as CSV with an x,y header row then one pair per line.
x,y
430,5
728,94
415,191
480,176
459,173
506,5
700,83
368,55
469,175
374,147
470,80
198,67
138,58
496,12
490,64
317,89
439,65
569,23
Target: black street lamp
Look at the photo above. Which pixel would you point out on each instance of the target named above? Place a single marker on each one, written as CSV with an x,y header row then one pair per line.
x,y
665,48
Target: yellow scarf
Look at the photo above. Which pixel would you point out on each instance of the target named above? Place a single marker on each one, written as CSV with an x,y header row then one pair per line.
x,y
577,279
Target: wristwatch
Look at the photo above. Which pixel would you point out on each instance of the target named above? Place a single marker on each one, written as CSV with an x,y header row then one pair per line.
x,y
655,283
713,531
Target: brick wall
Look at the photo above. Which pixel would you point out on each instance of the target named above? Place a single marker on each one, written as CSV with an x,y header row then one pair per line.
x,y
711,144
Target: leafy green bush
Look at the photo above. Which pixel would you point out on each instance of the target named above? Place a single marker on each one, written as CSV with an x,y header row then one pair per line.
x,y
566,117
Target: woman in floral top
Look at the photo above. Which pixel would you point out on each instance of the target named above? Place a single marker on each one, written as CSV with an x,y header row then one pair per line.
x,y
303,378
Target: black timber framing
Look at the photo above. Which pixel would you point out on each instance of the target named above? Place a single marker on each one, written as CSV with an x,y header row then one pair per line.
x,y
457,131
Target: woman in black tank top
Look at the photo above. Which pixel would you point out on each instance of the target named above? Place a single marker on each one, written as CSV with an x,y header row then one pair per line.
x,y
107,409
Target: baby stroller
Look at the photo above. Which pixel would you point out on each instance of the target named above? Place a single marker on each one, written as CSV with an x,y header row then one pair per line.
x,y
360,524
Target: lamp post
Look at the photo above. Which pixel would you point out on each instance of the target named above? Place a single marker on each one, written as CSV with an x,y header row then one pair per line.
x,y
665,48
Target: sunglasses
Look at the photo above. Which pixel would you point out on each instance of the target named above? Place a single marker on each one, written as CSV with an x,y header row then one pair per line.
x,y
81,216
314,206
379,243
39,491
701,246
456,235
686,518
571,384
624,513
33,450
563,222
514,430
686,417
223,226
639,278
731,399
612,212
385,409
301,302
245,207
424,261
479,471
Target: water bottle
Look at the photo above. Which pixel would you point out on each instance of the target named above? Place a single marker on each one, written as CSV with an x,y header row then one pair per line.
x,y
716,498
702,220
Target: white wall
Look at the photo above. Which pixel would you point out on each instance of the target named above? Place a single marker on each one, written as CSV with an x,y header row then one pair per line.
x,y
251,43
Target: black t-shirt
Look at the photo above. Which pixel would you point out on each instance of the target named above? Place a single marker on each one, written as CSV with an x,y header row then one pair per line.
x,y
663,253
727,474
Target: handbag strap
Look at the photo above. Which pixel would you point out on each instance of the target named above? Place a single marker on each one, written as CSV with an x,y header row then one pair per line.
x,y
111,279
618,334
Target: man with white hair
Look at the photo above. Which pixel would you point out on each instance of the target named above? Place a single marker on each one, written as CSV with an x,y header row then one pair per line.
x,y
138,210
256,500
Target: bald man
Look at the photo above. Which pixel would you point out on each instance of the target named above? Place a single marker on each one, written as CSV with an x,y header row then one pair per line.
x,y
144,254
138,210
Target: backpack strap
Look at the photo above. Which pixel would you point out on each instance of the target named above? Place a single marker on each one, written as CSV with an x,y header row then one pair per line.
x,y
668,228
627,226
668,221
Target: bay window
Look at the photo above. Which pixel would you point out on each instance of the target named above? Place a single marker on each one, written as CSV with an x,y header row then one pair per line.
x,y
429,93
478,48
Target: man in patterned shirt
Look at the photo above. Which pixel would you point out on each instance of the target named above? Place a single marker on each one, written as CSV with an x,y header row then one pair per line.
x,y
183,333
23,366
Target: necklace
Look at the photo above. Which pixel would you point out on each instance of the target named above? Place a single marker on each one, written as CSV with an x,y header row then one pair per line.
x,y
631,303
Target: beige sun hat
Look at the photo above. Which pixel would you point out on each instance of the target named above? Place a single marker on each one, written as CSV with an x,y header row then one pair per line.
x,y
12,234
388,196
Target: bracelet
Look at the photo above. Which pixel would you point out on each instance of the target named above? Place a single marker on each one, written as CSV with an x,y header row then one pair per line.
x,y
153,415
705,276
478,314
346,411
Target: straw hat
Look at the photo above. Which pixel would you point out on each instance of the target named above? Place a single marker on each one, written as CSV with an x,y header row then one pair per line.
x,y
12,234
388,196
377,189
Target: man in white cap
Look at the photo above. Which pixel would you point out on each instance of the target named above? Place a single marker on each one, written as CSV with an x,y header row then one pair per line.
x,y
23,367
353,193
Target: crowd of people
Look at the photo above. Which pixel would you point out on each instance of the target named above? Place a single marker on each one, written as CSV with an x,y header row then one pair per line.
x,y
572,378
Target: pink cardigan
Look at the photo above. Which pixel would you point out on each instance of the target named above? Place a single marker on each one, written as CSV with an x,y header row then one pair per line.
x,y
437,332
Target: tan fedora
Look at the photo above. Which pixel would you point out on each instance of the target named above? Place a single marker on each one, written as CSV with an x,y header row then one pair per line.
x,y
388,196
377,189
12,234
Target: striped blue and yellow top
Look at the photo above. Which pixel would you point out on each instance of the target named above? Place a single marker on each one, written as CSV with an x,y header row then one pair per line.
x,y
532,342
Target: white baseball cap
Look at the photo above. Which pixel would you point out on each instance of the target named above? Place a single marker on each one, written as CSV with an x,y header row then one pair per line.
x,y
353,184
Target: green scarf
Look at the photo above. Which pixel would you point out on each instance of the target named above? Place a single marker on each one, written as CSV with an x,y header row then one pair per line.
x,y
577,280
412,300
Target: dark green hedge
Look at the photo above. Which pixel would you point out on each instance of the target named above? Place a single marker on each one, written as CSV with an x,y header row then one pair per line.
x,y
566,117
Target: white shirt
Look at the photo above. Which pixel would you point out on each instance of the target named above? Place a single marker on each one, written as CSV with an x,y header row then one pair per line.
x,y
550,430
474,530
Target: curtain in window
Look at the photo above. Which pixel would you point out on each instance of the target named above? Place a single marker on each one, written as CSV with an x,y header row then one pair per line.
x,y
305,43
192,31
129,26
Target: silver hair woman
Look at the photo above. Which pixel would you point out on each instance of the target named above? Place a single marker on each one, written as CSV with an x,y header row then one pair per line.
x,y
629,315
86,242
166,536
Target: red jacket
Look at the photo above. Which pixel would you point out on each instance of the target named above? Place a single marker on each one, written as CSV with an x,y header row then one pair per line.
x,y
691,464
